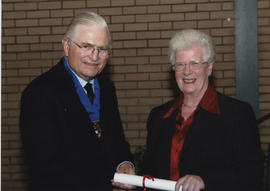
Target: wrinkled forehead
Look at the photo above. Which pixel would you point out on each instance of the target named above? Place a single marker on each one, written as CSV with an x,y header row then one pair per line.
x,y
91,34
193,50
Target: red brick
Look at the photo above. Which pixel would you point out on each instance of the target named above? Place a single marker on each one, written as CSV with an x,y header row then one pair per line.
x,y
149,84
125,69
51,38
17,48
49,5
227,6
50,22
123,3
116,27
149,52
160,26
39,30
161,92
147,18
14,15
123,19
8,24
15,31
110,11
148,35
134,10
124,35
62,13
137,76
38,14
135,44
74,4
148,2
171,2
27,39
135,27
28,55
159,9
209,6
158,43
124,52
98,3
25,6
7,7
184,8
117,44
222,14
172,17
8,40
197,16
126,85
137,60
210,24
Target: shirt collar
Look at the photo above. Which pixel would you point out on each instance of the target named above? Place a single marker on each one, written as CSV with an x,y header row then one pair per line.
x,y
209,102
81,81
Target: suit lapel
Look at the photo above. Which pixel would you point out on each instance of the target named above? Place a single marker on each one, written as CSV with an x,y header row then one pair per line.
x,y
167,129
70,99
194,131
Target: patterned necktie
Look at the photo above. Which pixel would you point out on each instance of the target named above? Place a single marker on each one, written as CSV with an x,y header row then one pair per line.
x,y
89,90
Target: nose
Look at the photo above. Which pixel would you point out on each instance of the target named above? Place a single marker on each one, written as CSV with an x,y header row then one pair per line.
x,y
94,54
187,69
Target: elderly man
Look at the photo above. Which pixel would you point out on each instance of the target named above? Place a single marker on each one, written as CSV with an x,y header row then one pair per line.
x,y
70,123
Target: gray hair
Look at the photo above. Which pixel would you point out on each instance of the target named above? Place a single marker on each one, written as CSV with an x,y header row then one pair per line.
x,y
188,38
88,19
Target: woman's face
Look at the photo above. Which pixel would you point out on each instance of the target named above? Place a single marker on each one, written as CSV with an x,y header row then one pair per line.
x,y
191,71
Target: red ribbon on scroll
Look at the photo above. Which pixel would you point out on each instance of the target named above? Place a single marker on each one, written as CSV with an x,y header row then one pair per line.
x,y
146,176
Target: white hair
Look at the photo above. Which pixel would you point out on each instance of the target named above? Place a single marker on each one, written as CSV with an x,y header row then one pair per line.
x,y
188,38
88,19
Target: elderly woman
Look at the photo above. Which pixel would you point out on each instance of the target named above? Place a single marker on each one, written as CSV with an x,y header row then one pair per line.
x,y
203,140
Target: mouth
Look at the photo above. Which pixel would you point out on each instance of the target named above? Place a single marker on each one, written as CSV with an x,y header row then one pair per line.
x,y
91,64
188,81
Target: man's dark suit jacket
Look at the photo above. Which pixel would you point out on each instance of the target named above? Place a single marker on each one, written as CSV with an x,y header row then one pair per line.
x,y
62,150
224,150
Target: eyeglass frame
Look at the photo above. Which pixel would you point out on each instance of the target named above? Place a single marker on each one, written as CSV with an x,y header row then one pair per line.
x,y
190,64
92,48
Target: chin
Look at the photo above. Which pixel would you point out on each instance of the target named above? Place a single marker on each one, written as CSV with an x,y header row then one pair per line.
x,y
189,91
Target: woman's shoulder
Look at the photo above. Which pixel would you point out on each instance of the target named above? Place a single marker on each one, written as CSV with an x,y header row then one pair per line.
x,y
163,108
231,103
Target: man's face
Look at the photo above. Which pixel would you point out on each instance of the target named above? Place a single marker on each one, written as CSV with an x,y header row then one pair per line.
x,y
86,63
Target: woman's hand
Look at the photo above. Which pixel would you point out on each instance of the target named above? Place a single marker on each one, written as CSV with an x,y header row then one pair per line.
x,y
190,183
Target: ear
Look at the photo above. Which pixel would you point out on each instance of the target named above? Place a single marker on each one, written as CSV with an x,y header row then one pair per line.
x,y
66,47
210,68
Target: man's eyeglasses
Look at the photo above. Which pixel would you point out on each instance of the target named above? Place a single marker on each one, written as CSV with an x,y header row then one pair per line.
x,y
87,47
194,65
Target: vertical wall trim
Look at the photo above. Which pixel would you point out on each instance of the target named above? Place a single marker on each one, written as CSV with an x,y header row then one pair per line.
x,y
246,52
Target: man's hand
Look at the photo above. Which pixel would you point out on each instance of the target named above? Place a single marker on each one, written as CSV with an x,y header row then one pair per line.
x,y
190,183
125,168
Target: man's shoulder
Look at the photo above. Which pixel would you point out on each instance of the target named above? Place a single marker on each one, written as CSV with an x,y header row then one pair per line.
x,y
46,80
105,83
104,80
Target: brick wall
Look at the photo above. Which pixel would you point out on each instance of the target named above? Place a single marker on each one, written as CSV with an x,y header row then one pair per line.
x,y
33,29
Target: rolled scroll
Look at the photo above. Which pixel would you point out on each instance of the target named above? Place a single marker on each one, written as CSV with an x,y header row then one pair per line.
x,y
142,181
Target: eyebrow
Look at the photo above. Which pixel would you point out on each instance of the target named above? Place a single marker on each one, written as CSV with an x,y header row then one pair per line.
x,y
88,43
